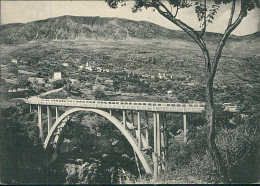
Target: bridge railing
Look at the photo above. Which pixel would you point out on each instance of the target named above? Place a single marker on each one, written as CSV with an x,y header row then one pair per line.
x,y
148,106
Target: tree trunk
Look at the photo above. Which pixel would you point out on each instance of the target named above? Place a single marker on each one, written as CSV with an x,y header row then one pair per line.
x,y
210,116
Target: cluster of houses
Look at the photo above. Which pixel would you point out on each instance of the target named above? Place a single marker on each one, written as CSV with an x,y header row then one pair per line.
x,y
163,75
185,79
89,67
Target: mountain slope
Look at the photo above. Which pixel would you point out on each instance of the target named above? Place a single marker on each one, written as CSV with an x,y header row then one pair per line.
x,y
72,27
84,28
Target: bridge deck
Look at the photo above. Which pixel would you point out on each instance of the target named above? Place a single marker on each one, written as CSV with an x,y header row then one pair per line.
x,y
125,105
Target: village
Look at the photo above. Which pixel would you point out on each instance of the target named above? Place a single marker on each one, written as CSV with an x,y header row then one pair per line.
x,y
88,77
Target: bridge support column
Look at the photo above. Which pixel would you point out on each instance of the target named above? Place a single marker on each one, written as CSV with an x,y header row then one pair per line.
x,y
163,141
133,118
110,112
185,127
49,116
146,129
139,130
124,119
155,158
57,113
40,123
30,108
159,142
166,133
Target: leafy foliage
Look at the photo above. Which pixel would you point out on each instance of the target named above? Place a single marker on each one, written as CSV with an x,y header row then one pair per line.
x,y
99,94
240,150
21,159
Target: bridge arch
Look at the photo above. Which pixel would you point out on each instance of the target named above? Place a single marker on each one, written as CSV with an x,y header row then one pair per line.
x,y
114,121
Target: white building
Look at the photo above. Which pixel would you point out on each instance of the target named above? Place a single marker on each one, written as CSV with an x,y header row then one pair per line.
x,y
65,64
145,75
169,92
81,67
38,80
107,70
161,75
57,75
99,69
14,61
89,68
190,84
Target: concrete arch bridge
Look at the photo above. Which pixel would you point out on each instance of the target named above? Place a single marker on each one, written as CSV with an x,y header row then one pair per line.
x,y
121,114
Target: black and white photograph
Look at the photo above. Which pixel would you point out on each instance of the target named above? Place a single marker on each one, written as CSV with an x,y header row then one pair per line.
x,y
129,92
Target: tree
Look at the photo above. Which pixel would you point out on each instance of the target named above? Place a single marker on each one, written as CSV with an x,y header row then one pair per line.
x,y
99,94
21,150
250,97
23,81
205,15
59,83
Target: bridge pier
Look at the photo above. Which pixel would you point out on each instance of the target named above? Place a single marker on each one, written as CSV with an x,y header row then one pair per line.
x,y
49,116
165,137
146,129
162,130
133,117
57,113
155,158
185,127
30,108
124,119
139,130
40,123
158,142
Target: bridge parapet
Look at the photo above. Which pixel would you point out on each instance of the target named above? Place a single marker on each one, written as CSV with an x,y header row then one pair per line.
x,y
122,105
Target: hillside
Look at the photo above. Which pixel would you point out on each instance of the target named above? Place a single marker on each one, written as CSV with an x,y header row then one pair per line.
x,y
85,28
138,46
82,28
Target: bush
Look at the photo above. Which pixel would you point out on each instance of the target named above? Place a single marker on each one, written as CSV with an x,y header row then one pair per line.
x,y
181,154
21,153
99,94
241,152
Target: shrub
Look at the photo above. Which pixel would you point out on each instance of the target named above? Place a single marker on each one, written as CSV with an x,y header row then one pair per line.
x,y
181,154
240,149
20,148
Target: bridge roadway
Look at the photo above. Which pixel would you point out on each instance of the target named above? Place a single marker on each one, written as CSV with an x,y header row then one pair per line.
x,y
126,105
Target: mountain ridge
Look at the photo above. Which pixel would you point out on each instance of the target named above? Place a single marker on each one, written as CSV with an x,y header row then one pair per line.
x,y
77,27
69,27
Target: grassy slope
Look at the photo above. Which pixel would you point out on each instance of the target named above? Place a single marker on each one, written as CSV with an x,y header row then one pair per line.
x,y
172,56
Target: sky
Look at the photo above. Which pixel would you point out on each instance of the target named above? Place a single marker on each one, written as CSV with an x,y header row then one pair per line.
x,y
27,11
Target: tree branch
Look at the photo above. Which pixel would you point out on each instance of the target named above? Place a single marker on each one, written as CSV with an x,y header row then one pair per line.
x,y
204,26
232,12
167,14
189,30
227,33
177,10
